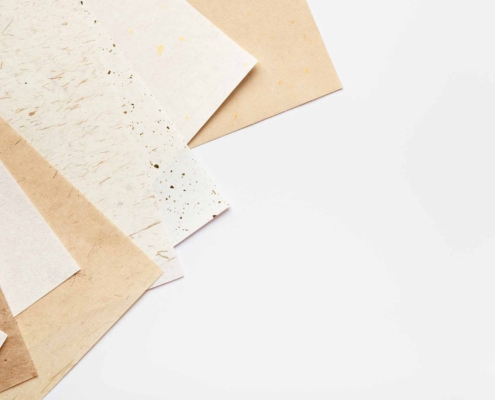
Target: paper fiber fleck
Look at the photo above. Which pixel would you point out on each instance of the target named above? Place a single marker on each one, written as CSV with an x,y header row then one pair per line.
x,y
33,262
70,93
189,65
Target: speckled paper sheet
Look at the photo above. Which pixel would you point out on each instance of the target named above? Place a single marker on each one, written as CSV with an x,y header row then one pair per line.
x,y
67,89
189,65
3,338
64,325
33,262
16,365
294,66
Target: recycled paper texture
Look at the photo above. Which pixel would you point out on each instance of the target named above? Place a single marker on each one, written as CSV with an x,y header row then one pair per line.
x,y
33,262
3,338
293,64
189,65
16,365
64,325
66,88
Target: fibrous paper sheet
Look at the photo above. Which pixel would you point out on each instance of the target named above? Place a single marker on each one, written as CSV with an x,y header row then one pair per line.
x,y
64,325
190,66
33,262
3,338
293,64
67,89
16,365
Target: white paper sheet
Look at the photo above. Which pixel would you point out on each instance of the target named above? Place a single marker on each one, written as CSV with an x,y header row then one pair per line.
x,y
189,65
33,262
65,87
3,338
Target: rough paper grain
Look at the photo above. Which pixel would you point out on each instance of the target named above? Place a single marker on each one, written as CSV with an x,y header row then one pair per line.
x,y
67,89
188,64
3,338
33,262
63,326
16,365
293,64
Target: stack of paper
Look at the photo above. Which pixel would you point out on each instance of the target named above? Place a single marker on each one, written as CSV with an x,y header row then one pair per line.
x,y
97,184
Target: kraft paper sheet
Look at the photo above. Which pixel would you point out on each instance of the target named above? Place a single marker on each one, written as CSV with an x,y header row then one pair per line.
x,y
33,262
190,66
68,90
16,365
64,325
293,64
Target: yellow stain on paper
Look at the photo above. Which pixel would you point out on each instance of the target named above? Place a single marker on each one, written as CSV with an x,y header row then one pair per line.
x,y
130,31
160,50
236,115
280,83
187,117
182,39
293,21
306,70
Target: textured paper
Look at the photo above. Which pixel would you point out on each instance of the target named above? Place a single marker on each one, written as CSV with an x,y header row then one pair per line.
x,y
189,65
16,365
67,89
62,327
3,338
33,262
294,66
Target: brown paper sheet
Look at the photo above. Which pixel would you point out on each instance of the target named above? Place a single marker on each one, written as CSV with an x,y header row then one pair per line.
x,y
16,365
63,326
293,64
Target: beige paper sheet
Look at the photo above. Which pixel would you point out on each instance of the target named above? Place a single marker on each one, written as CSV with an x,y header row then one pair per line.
x,y
33,262
188,64
293,64
16,365
63,326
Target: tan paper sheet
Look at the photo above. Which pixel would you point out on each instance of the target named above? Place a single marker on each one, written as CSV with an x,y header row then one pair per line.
x,y
16,365
293,64
63,326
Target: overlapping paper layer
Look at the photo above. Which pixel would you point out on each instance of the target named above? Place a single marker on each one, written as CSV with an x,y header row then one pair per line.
x,y
16,365
63,326
65,86
293,64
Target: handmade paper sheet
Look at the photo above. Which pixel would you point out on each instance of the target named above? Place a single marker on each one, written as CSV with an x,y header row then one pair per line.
x,y
189,65
3,338
16,365
67,89
65,324
33,262
294,66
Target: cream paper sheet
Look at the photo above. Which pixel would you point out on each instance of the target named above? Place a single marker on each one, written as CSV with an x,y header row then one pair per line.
x,y
65,86
3,338
190,66
33,262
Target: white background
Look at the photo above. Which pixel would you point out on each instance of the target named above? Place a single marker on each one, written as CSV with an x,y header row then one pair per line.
x,y
358,259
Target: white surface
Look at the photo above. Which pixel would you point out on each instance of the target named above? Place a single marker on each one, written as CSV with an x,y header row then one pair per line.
x,y
358,259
